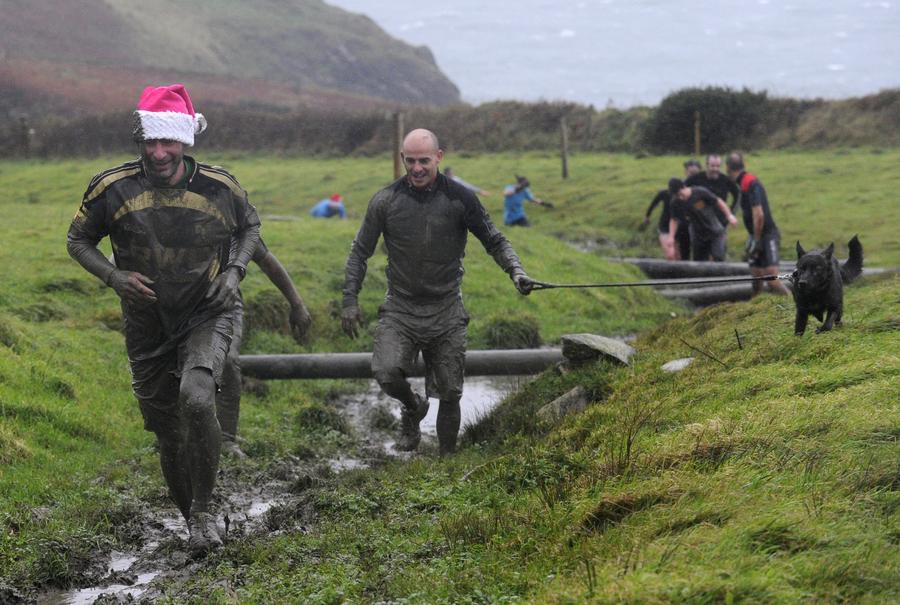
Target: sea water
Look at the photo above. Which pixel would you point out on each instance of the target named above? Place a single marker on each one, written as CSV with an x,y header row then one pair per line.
x,y
630,52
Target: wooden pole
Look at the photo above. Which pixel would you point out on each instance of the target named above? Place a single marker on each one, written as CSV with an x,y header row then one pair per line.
x,y
590,129
564,146
507,362
24,136
398,142
697,134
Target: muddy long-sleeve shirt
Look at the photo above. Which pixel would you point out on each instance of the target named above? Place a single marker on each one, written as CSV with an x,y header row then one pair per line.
x,y
182,238
425,233
662,197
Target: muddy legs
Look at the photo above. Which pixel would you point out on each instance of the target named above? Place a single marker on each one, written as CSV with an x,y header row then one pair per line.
x,y
412,411
448,419
228,400
190,460
204,438
228,404
775,286
410,417
178,479
398,388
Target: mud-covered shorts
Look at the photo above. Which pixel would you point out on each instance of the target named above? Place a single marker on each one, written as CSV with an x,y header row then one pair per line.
x,y
156,381
441,338
712,249
769,255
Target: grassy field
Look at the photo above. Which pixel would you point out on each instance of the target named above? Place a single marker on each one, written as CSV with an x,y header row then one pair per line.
x,y
816,197
728,461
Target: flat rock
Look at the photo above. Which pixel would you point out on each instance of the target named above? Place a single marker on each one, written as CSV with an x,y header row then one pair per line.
x,y
676,365
581,348
572,402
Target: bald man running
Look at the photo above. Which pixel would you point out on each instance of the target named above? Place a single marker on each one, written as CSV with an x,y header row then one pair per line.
x,y
425,219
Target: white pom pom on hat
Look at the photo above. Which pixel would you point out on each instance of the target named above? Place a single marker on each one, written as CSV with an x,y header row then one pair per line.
x,y
166,112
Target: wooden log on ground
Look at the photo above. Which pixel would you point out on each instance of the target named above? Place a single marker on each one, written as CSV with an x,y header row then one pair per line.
x,y
513,362
663,269
702,297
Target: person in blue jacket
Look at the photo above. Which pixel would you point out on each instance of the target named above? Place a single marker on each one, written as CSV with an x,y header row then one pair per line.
x,y
514,197
329,207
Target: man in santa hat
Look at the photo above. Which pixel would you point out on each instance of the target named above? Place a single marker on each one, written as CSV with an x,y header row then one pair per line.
x,y
182,233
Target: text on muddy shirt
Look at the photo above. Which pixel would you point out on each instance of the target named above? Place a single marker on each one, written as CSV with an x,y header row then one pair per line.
x,y
178,237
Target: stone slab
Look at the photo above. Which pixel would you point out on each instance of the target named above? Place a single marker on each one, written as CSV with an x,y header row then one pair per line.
x,y
572,402
582,348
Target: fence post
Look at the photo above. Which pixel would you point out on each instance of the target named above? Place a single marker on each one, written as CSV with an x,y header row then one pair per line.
x,y
564,146
398,142
23,136
697,134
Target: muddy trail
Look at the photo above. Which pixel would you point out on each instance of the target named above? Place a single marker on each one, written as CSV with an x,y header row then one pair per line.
x,y
253,500
247,504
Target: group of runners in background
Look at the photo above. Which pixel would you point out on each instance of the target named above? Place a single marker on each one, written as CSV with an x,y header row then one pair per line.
x,y
694,221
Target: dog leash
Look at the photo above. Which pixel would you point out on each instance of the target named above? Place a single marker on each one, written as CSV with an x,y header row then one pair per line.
x,y
688,281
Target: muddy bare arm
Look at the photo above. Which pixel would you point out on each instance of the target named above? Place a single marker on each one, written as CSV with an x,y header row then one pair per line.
x,y
759,220
735,192
673,228
278,275
723,207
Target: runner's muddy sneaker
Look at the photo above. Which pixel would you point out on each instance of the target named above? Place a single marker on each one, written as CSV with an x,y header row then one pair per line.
x,y
231,449
410,435
204,534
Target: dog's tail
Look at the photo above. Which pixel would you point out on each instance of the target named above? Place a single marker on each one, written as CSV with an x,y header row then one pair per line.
x,y
852,267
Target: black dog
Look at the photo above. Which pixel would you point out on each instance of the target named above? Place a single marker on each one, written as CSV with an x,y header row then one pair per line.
x,y
818,284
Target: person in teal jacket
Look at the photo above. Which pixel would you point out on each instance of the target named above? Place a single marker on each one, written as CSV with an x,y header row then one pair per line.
x,y
514,197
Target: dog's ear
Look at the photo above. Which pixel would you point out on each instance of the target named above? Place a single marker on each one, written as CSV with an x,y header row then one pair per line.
x,y
800,250
829,251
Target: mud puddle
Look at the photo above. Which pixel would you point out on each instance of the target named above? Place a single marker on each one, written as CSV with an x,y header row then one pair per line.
x,y
375,415
253,501
128,573
246,503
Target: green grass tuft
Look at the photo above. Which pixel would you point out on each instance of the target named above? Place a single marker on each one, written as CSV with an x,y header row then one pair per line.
x,y
520,332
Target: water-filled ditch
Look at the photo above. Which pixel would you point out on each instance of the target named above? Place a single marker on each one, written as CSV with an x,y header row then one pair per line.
x,y
245,500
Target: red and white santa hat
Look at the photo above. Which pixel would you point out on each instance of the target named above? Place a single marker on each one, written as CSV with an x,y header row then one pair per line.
x,y
166,112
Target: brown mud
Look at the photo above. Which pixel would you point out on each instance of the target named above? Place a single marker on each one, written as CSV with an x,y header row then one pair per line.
x,y
253,500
